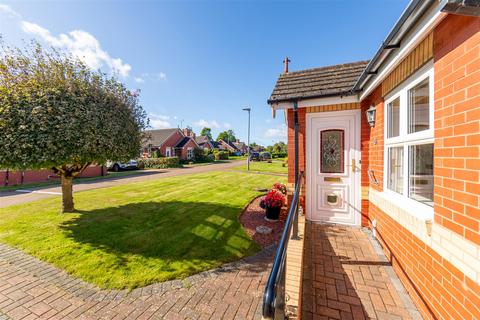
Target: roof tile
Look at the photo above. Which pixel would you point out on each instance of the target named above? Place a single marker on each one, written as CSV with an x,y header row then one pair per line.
x,y
313,83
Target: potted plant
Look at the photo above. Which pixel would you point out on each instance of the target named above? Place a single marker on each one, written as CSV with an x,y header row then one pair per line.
x,y
272,203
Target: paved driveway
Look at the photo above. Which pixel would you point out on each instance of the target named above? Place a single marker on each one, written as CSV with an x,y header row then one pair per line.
x,y
32,289
8,198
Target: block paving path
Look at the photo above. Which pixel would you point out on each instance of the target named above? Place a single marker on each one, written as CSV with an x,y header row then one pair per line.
x,y
346,276
32,289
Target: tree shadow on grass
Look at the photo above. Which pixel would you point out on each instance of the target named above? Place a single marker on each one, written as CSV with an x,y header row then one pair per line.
x,y
176,238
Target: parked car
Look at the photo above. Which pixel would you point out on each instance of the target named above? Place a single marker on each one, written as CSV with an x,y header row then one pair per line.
x,y
264,156
255,156
117,166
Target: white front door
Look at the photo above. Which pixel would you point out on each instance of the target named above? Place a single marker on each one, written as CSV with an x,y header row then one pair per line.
x,y
333,167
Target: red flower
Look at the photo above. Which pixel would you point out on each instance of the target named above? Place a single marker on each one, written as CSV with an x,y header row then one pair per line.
x,y
280,187
274,198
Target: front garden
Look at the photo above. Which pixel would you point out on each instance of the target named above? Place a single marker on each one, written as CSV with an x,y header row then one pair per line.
x,y
133,235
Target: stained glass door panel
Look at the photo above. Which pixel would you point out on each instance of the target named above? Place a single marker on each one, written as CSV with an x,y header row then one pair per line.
x,y
332,151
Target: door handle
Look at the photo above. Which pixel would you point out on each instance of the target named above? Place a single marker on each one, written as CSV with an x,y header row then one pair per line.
x,y
354,167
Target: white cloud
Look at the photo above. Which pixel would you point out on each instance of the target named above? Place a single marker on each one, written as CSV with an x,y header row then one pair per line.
x,y
9,11
209,124
227,125
279,132
159,121
82,45
160,76
139,80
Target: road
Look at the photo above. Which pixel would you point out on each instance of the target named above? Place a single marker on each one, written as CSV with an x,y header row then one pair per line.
x,y
8,198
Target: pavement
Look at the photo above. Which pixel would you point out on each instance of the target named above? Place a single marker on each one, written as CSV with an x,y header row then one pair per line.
x,y
33,289
8,198
347,276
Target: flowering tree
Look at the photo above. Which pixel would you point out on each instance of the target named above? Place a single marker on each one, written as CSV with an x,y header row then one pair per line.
x,y
57,113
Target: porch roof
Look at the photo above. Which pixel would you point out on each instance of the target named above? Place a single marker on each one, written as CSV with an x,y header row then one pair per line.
x,y
182,143
318,82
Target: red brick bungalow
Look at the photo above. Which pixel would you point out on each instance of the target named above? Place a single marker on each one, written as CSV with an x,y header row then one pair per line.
x,y
171,143
413,172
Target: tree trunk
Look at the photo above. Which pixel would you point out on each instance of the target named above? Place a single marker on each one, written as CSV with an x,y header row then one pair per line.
x,y
67,194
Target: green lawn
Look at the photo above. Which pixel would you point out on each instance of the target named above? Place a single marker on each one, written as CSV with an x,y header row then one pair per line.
x,y
137,234
237,158
263,166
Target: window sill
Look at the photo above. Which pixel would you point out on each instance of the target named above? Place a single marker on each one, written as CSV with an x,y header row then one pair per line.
x,y
412,207
415,217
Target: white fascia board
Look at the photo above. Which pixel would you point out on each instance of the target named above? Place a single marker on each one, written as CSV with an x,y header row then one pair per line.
x,y
423,28
316,102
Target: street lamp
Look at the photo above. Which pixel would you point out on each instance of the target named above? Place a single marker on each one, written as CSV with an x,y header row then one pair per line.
x,y
248,138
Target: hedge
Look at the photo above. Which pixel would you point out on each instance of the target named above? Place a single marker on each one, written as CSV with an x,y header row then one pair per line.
x,y
279,154
159,163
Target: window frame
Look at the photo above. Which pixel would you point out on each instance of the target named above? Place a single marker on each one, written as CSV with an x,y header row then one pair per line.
x,y
405,139
189,153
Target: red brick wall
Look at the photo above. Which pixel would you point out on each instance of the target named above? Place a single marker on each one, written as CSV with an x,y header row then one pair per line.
x,y
170,142
291,143
31,176
372,141
457,125
184,151
365,157
439,289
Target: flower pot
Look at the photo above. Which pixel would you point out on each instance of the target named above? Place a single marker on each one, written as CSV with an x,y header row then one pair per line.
x,y
272,213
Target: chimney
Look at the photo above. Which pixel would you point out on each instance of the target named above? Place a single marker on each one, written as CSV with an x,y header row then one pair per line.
x,y
237,141
285,65
186,132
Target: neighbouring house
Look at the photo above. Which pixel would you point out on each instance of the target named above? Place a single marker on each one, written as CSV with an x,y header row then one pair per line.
x,y
170,143
205,142
242,147
228,146
12,177
393,144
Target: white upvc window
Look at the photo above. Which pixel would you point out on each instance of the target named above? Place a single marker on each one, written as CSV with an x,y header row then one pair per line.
x,y
189,153
168,152
409,138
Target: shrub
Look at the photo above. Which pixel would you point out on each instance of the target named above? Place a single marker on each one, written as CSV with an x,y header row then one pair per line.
x,y
221,155
159,163
156,154
201,155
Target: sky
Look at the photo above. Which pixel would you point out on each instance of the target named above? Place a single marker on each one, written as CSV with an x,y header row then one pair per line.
x,y
199,63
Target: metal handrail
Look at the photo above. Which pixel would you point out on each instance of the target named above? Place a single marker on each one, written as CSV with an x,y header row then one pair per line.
x,y
276,276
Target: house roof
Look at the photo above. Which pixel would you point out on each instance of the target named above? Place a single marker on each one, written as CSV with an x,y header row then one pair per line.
x,y
239,145
201,139
228,145
318,82
158,137
183,142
